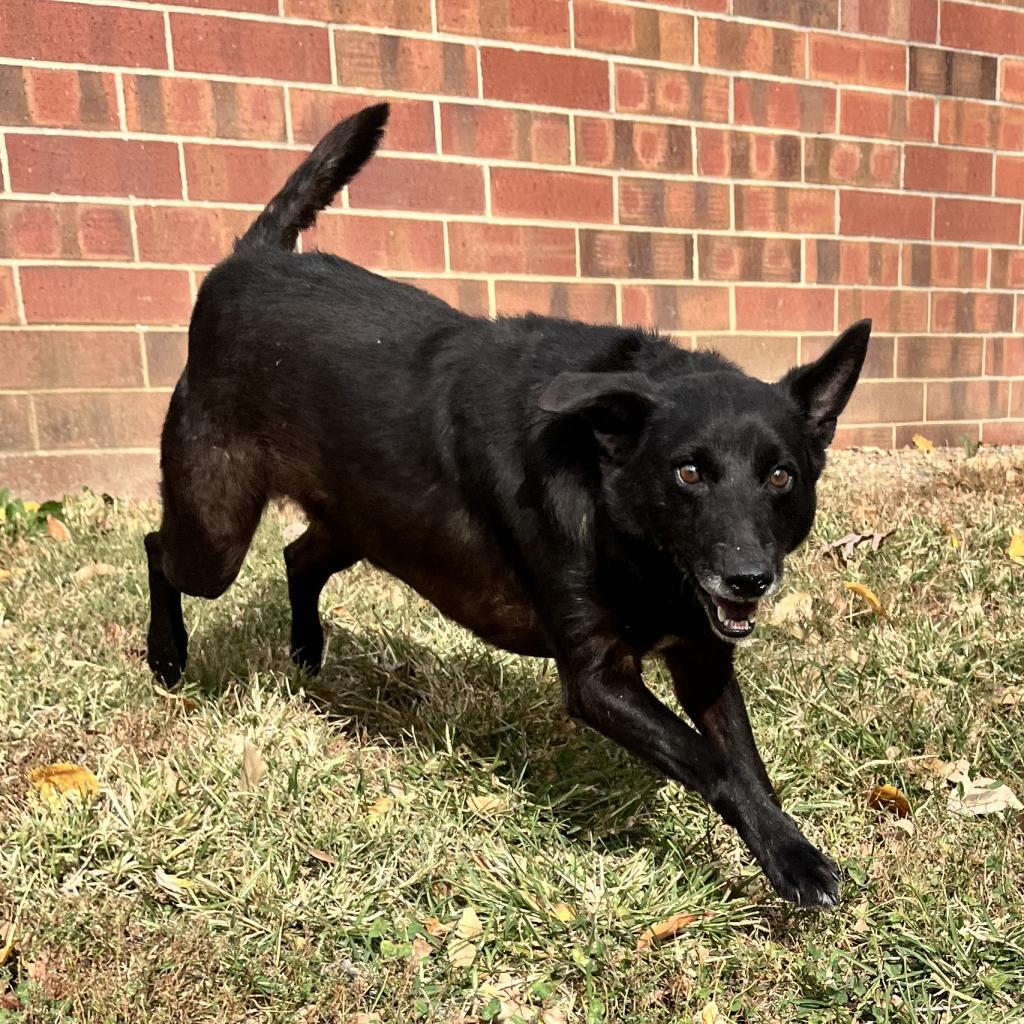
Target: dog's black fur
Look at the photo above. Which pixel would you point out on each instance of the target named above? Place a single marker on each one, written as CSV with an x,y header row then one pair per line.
x,y
584,493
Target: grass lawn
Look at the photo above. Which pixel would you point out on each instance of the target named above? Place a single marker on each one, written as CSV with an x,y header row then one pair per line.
x,y
432,840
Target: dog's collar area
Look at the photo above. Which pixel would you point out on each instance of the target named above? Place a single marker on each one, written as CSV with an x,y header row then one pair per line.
x,y
731,620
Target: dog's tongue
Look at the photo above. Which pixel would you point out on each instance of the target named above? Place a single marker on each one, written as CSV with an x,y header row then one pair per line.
x,y
737,610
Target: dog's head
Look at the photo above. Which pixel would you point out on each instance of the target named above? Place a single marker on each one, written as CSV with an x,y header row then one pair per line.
x,y
714,472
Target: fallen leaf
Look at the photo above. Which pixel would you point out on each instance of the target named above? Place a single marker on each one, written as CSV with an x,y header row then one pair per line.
x,y
710,1014
64,780
461,952
91,571
791,610
563,912
667,929
367,1018
436,928
1011,696
58,530
321,855
9,1001
868,596
1016,548
983,796
904,825
253,768
5,574
7,946
421,949
921,443
469,926
487,804
173,884
381,806
954,772
553,1016
889,798
848,544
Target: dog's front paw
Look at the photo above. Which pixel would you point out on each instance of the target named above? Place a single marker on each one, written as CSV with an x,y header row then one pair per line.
x,y
801,873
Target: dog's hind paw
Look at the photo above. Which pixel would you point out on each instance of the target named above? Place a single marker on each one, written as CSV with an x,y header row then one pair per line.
x,y
802,874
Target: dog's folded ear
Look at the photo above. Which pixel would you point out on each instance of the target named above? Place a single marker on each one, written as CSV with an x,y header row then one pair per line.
x,y
822,388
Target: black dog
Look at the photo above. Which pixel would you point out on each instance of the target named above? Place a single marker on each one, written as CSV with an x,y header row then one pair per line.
x,y
583,493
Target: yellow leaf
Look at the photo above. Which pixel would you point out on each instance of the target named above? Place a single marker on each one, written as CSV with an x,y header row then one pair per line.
x,y
889,798
922,443
30,506
954,542
5,574
88,572
710,1014
64,780
7,943
667,929
57,530
868,596
173,884
253,768
1016,549
487,804
469,926
791,610
381,806
563,912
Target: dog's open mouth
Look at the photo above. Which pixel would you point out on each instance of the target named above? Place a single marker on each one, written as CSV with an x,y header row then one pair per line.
x,y
733,620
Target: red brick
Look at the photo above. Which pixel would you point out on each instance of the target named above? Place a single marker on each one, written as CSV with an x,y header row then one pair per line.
x,y
195,106
53,98
550,195
637,255
70,359
863,437
710,6
539,22
469,296
938,357
404,14
890,310
737,154
743,258
972,312
237,174
858,61
8,302
1011,88
801,210
983,125
81,33
784,105
1010,176
230,46
64,231
970,220
550,79
948,266
977,27
380,243
1007,269
886,402
633,31
968,399
81,165
594,303
892,216
1004,357
1006,431
369,61
112,419
952,72
812,13
841,261
170,234
512,249
886,116
42,477
504,134
247,6
633,145
675,204
944,435
841,162
739,46
878,364
767,358
687,94
105,295
315,112
1017,400
15,423
915,20
936,169
402,184
777,309
165,356
670,308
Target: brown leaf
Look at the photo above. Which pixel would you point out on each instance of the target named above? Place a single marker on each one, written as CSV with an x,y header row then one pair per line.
x,y
9,1001
321,855
845,546
421,949
487,803
58,530
983,796
1010,696
667,929
253,768
436,928
889,798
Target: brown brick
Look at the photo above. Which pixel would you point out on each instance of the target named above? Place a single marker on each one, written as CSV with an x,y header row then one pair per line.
x,y
737,154
970,220
784,105
739,46
1004,357
812,13
15,423
887,116
1007,268
193,106
111,419
972,312
82,33
1017,401
743,258
863,437
550,195
952,73
937,169
70,359
64,231
404,14
635,254
878,364
977,27
840,162
886,402
410,123
676,204
1011,88
890,310
968,399
766,358
237,174
858,61
512,249
944,435
380,243
633,145
505,134
539,22
983,125
893,216
1010,176
551,79
708,6
633,31
840,261
1006,431
938,357
165,356
203,235
52,98
427,186
105,295
594,303
370,61
670,308
785,309
915,20
686,94
8,303
42,477
247,6
469,296
230,46
81,165
800,210
948,266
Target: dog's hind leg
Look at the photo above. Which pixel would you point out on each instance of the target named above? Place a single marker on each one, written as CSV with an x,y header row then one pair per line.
x,y
167,640
311,560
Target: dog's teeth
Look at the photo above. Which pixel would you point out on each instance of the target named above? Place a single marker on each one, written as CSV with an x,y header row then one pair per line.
x,y
722,617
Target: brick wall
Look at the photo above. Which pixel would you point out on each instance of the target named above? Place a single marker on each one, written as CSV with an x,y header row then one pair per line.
x,y
746,174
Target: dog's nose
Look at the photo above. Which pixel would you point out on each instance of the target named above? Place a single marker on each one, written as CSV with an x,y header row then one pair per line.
x,y
749,584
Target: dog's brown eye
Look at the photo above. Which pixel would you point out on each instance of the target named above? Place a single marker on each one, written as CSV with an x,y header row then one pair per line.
x,y
780,478
688,474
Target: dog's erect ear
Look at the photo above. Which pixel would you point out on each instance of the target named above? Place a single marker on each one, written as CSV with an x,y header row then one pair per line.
x,y
616,405
822,388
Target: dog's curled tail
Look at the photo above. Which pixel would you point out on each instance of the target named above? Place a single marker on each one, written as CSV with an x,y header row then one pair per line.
x,y
334,162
